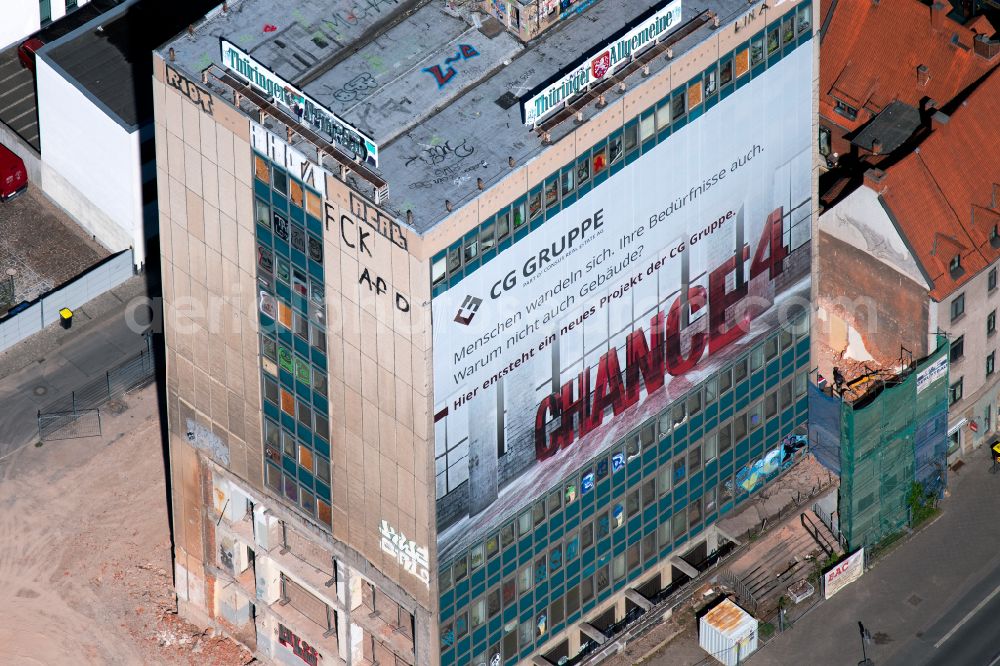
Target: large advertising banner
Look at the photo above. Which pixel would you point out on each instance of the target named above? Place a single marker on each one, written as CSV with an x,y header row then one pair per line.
x,y
621,303
844,574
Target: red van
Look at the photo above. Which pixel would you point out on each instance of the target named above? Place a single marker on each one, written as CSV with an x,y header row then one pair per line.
x,y
13,175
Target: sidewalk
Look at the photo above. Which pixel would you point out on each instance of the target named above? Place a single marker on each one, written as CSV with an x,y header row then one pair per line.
x,y
902,598
56,361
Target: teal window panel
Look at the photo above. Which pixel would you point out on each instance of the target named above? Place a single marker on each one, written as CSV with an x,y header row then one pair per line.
x,y
298,258
681,431
316,270
509,614
288,465
266,323
524,551
573,570
493,566
571,512
742,450
555,523
286,380
634,525
649,457
772,369
314,225
743,399
463,646
680,495
271,410
541,532
479,636
301,346
288,422
262,190
455,279
478,581
694,483
509,556
601,177
488,255
696,421
320,403
649,514
279,202
264,235
319,359
297,214
322,447
303,391
556,579
305,477
726,402
505,243
283,290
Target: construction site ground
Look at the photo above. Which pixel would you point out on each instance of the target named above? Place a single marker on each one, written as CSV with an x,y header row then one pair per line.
x,y
773,559
85,568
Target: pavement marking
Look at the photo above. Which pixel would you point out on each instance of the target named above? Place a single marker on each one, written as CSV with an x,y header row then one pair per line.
x,y
968,617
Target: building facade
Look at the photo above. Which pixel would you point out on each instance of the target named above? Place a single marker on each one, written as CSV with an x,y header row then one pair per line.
x,y
23,17
451,390
932,240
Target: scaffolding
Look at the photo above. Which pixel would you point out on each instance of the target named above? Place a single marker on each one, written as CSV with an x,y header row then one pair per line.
x,y
892,433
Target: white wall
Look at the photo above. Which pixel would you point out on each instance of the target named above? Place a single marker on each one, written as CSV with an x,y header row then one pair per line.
x,y
861,221
90,163
20,18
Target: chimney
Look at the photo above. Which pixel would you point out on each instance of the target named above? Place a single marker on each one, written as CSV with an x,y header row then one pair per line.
x,y
876,147
938,120
923,76
873,180
938,11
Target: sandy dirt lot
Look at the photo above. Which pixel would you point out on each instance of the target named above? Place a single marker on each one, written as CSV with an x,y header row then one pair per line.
x,y
85,570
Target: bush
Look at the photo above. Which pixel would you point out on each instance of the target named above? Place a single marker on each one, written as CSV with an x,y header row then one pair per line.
x,y
921,503
766,630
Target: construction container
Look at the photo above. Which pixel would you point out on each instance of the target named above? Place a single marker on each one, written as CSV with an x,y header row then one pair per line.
x,y
728,633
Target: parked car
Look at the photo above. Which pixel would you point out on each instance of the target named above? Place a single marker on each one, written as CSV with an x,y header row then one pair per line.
x,y
26,52
13,175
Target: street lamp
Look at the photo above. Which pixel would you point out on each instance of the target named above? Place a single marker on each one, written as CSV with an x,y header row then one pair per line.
x,y
865,637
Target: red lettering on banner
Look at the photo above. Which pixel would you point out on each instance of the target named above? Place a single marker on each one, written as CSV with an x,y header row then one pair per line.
x,y
648,360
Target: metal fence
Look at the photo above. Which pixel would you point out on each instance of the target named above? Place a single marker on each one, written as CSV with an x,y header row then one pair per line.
x,y
78,413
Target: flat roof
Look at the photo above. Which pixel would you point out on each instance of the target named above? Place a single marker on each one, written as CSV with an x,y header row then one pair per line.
x,y
110,58
373,64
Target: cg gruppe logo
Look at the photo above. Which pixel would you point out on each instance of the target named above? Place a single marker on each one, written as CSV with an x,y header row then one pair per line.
x,y
468,310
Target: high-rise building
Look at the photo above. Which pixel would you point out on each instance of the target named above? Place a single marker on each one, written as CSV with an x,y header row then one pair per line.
x,y
478,317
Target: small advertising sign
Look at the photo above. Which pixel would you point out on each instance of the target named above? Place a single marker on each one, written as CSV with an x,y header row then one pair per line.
x,y
844,574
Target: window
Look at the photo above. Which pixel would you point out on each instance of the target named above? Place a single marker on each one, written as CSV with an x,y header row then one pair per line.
x,y
680,469
711,447
958,307
955,392
726,73
618,566
632,503
995,242
845,110
770,404
772,40
679,523
478,612
523,524
824,141
757,51
991,323
956,264
991,279
678,106
524,579
461,569
726,431
958,348
694,459
740,427
990,362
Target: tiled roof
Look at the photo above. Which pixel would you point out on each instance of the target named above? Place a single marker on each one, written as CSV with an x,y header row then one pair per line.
x,y
945,196
871,52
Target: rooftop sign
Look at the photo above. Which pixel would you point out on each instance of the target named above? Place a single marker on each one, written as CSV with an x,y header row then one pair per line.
x,y
604,60
299,104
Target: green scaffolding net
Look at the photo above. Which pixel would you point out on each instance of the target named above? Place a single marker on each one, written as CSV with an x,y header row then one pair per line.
x,y
891,436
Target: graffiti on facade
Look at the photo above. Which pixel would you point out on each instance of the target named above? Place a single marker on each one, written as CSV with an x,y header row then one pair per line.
x,y
203,438
189,89
299,647
410,556
443,75
753,475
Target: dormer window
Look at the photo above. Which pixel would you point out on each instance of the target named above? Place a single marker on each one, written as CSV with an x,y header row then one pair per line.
x,y
995,236
956,264
845,109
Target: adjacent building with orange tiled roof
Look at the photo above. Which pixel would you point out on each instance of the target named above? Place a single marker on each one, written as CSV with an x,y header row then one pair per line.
x,y
889,64
916,250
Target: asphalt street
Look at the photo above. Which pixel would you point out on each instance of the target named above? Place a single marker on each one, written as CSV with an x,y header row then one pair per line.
x,y
933,601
